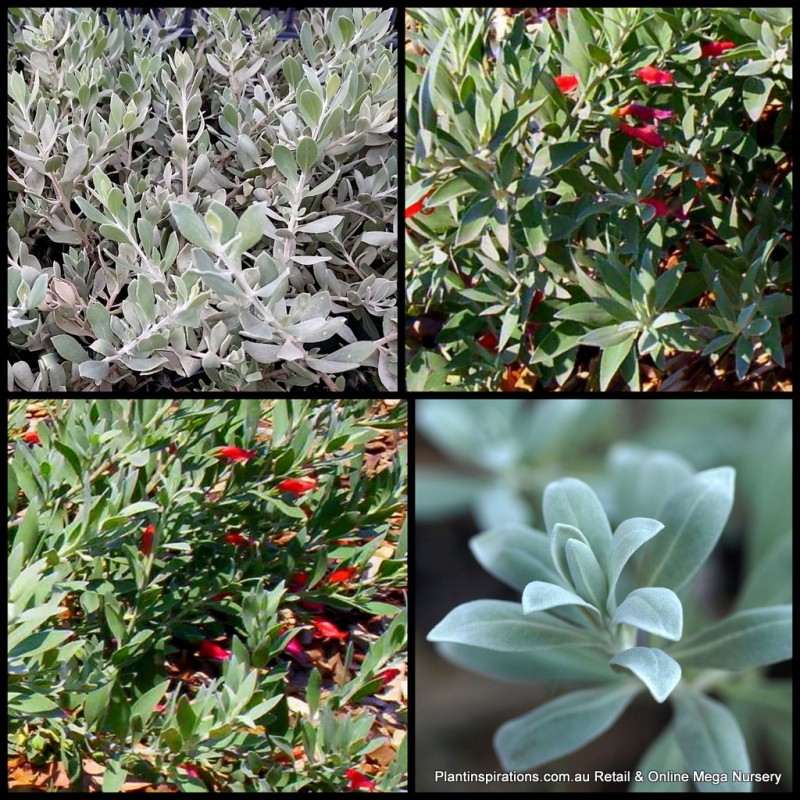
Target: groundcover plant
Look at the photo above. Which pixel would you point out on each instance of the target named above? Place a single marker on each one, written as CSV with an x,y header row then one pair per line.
x,y
598,198
207,595
615,593
216,211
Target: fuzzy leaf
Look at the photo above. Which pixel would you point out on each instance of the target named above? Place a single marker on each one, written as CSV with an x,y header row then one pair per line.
x,y
655,610
654,668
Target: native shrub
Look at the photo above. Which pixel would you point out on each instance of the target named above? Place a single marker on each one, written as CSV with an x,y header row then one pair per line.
x,y
215,211
179,615
632,165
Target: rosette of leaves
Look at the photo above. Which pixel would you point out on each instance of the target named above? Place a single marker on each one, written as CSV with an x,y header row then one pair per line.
x,y
603,607
216,211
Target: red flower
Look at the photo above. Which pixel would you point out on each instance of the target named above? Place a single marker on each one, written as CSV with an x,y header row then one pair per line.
x,y
159,707
221,596
415,208
566,83
653,75
298,580
297,485
646,134
191,770
146,546
659,206
294,648
535,300
357,780
489,341
643,113
342,575
211,650
314,608
709,49
31,437
388,675
238,540
235,453
327,630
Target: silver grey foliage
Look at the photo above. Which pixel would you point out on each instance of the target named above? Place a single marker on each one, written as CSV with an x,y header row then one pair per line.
x,y
220,215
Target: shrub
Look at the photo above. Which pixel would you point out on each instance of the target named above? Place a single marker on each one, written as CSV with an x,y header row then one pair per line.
x,y
600,178
206,593
216,212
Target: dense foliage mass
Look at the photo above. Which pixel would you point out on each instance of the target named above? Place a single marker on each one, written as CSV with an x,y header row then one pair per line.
x,y
216,211
599,198
208,595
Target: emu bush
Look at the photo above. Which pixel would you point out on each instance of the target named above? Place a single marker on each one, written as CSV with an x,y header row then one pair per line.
x,y
207,594
599,198
216,212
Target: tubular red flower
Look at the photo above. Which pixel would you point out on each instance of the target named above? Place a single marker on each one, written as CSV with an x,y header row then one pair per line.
x,y
211,650
357,780
388,675
221,596
711,49
327,630
415,208
658,205
294,648
342,575
191,770
297,485
148,534
646,134
314,608
31,437
643,113
238,540
235,453
488,341
297,581
653,75
567,83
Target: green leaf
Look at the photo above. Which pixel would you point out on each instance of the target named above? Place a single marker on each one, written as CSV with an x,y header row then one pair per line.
x,y
138,508
559,537
612,358
655,610
629,536
115,233
38,643
587,576
754,67
427,100
310,106
610,335
351,356
76,163
663,757
285,162
94,214
69,348
653,667
322,225
475,220
572,502
751,638
710,741
251,226
756,92
501,625
307,153
693,516
560,727
190,225
539,596
514,554
450,189
769,582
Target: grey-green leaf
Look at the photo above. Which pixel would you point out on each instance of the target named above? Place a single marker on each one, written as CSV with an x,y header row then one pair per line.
x,y
190,225
752,638
653,667
663,757
587,576
710,741
322,225
629,536
501,625
76,163
251,226
693,516
561,726
539,596
285,162
560,535
573,502
655,610
307,153
69,348
515,554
